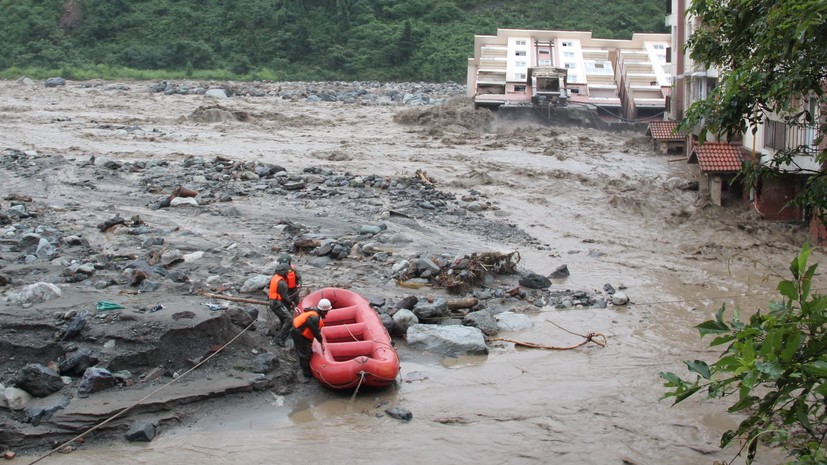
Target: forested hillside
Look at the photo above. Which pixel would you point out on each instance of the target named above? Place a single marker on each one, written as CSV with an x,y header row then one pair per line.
x,y
287,39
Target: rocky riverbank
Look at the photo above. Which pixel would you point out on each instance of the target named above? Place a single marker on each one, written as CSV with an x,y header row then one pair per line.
x,y
105,262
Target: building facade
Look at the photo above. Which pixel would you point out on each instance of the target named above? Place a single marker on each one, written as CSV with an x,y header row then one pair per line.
x,y
627,79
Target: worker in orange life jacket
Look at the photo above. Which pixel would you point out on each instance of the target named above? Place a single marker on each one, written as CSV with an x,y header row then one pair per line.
x,y
306,327
294,279
280,302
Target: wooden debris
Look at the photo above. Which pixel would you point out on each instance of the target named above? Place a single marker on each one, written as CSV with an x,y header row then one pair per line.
x,y
457,304
591,337
423,176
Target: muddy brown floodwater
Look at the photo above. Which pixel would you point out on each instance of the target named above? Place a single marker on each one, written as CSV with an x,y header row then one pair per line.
x,y
605,204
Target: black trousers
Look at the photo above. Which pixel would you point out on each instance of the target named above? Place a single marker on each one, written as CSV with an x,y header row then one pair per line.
x,y
303,350
285,318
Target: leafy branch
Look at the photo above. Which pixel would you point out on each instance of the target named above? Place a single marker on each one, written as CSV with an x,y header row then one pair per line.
x,y
774,367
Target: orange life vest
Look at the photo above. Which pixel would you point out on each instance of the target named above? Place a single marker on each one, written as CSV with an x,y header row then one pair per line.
x,y
291,280
274,287
301,320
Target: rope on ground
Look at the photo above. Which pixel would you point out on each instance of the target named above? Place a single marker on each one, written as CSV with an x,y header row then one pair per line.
x,y
122,412
356,391
594,338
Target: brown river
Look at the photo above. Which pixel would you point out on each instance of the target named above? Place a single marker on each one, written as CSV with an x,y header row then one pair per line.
x,y
605,204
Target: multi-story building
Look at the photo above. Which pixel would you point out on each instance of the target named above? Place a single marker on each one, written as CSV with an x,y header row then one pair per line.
x,y
628,79
771,197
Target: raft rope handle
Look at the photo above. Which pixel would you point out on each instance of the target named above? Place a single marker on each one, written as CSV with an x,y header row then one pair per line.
x,y
117,415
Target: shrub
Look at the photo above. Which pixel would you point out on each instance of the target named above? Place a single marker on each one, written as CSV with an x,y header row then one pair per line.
x,y
774,365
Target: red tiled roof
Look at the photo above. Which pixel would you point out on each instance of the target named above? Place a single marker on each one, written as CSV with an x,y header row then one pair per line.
x,y
717,157
663,130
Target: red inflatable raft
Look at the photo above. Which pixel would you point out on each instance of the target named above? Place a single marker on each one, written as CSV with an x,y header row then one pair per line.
x,y
357,347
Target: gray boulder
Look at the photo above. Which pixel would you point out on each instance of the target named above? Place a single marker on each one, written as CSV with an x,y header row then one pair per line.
x,y
450,341
141,430
36,293
55,82
38,380
510,321
535,281
402,320
483,320
264,363
95,379
255,283
431,312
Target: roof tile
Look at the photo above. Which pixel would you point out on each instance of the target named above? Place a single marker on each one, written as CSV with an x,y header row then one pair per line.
x,y
665,130
718,157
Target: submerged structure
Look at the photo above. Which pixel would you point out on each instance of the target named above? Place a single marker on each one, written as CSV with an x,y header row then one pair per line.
x,y
627,79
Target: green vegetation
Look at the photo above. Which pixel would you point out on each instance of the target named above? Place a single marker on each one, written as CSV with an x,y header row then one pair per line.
x,y
772,57
775,366
286,39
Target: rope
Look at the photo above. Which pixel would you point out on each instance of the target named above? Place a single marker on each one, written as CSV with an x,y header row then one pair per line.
x,y
353,397
119,414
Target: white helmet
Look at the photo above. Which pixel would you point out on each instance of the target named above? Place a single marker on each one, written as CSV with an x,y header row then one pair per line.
x,y
324,304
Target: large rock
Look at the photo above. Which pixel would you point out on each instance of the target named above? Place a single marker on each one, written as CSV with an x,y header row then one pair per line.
x,y
535,281
141,430
77,362
483,320
265,363
239,317
55,82
450,341
36,293
431,312
256,283
402,320
510,321
38,380
16,398
95,379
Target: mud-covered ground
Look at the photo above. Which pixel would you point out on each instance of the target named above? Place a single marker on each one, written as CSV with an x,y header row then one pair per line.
x,y
91,167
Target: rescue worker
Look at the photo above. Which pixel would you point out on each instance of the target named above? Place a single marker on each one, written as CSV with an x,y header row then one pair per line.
x,y
294,279
280,303
306,327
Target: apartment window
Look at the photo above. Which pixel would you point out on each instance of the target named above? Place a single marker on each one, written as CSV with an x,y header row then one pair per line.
x,y
568,54
598,65
520,64
520,53
662,57
570,65
545,51
545,62
520,42
668,7
519,88
567,43
669,54
775,134
519,76
659,46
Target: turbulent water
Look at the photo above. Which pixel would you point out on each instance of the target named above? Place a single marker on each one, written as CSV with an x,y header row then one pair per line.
x,y
604,204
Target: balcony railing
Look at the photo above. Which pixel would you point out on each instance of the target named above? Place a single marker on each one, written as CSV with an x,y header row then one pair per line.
x,y
779,136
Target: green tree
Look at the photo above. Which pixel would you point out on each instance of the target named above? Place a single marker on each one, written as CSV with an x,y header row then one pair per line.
x,y
774,365
771,55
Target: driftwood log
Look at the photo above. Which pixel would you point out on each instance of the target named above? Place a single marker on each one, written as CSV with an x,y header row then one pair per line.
x,y
468,302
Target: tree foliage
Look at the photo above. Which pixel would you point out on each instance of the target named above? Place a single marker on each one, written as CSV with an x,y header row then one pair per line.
x,y
772,57
775,368
295,39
